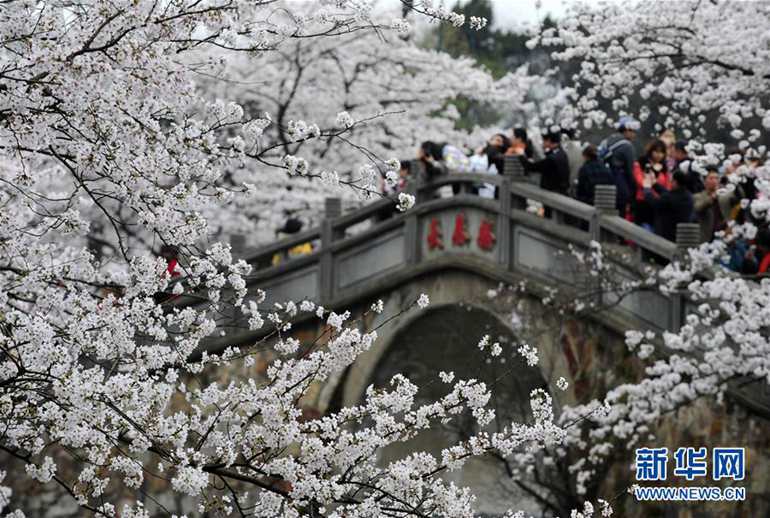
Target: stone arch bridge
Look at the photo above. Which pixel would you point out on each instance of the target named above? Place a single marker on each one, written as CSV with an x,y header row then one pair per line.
x,y
459,250
489,266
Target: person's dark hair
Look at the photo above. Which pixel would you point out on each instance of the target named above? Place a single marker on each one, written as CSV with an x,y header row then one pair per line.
x,y
292,226
590,152
169,251
432,149
655,145
506,140
569,133
405,164
552,137
521,134
680,178
712,169
681,145
763,237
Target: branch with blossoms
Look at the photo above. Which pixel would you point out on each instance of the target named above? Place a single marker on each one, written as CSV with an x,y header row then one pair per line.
x,y
265,465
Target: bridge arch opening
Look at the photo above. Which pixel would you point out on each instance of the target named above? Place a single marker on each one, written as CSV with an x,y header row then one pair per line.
x,y
446,338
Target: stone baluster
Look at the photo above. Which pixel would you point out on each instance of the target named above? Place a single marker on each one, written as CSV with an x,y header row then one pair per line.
x,y
238,245
513,169
687,235
332,210
604,201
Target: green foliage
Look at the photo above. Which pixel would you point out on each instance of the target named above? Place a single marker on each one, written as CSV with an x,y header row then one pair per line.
x,y
500,51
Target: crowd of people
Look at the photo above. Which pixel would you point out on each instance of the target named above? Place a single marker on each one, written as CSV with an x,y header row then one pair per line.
x,y
657,190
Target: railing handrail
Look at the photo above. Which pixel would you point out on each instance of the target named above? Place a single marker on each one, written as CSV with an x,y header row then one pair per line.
x,y
454,178
555,201
361,214
283,244
643,238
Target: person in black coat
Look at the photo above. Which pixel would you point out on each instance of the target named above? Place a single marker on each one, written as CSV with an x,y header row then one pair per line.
x,y
430,154
554,168
670,207
693,179
593,172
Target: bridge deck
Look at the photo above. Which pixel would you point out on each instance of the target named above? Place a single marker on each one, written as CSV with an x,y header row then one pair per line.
x,y
357,255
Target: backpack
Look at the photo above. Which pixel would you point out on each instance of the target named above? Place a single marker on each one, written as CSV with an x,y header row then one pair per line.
x,y
607,154
601,176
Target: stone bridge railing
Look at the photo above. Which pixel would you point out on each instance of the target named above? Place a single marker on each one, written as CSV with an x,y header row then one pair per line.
x,y
360,255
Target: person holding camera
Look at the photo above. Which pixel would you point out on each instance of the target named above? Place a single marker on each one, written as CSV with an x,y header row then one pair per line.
x,y
651,168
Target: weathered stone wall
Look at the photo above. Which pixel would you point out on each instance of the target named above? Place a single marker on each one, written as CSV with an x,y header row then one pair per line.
x,y
591,356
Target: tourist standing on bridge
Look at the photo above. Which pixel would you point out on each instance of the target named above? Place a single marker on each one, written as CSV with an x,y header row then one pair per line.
x,y
554,168
495,150
618,152
390,187
574,151
712,209
757,260
670,207
668,137
653,166
291,227
491,158
520,144
593,172
685,164
441,158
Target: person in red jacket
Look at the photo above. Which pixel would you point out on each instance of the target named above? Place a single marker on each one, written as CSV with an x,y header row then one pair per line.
x,y
171,255
652,167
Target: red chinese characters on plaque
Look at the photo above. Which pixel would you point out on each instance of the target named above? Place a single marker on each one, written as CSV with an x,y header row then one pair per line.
x,y
435,237
485,239
460,235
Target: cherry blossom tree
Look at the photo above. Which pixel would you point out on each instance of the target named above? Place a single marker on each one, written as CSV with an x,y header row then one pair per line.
x,y
112,151
378,87
134,127
701,62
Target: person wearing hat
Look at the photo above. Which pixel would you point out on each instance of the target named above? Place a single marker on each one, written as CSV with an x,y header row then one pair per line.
x,y
617,151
